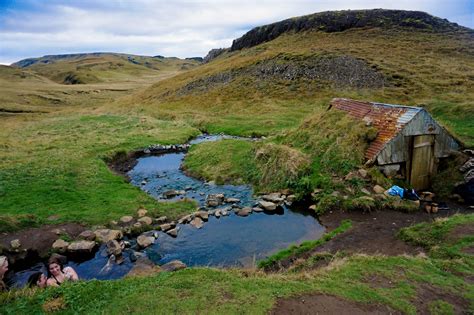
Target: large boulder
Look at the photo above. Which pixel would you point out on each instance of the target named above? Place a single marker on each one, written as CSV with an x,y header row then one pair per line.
x,y
173,266
213,200
165,227
141,212
105,235
186,219
15,244
197,222
60,246
145,220
202,214
126,219
145,240
378,189
267,205
81,247
173,232
161,220
143,267
114,248
273,197
87,235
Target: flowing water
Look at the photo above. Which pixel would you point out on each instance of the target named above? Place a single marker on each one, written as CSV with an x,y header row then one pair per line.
x,y
227,241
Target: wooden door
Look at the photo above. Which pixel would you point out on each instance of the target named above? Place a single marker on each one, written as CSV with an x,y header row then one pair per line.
x,y
422,161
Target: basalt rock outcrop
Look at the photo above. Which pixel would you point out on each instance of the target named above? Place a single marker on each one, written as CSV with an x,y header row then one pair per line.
x,y
340,71
338,21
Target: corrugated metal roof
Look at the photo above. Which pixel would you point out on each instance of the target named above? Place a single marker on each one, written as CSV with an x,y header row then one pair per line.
x,y
388,119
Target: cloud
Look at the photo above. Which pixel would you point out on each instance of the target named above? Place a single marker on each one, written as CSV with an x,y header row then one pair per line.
x,y
180,28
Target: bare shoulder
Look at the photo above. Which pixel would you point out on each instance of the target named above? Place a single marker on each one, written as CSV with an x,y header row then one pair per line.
x,y
51,282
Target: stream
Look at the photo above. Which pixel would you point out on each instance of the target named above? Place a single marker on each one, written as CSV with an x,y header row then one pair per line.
x,y
227,241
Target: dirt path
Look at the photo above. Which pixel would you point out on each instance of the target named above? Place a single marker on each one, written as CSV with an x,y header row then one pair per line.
x,y
326,304
376,232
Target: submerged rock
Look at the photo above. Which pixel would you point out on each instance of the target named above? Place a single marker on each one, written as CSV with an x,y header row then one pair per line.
x,y
244,211
232,200
173,266
170,194
197,222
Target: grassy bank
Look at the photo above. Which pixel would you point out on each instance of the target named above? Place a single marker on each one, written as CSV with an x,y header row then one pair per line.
x,y
55,166
306,246
451,238
400,283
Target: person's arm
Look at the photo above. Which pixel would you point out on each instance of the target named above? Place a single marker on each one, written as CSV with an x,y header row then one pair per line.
x,y
72,273
51,283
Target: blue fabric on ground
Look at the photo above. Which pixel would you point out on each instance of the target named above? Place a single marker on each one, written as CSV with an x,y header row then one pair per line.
x,y
396,191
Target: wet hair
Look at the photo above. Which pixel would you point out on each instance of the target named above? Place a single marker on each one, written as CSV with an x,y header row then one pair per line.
x,y
55,260
33,279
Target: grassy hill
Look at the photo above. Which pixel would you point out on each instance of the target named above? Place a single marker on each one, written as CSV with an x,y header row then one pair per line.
x,y
302,70
102,67
52,83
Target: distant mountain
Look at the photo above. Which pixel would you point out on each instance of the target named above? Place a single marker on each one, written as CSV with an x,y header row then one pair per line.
x,y
101,66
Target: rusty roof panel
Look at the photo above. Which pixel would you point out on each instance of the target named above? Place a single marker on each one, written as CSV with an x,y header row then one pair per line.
x,y
388,119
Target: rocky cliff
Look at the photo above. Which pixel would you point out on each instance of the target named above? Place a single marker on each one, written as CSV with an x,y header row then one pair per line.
x,y
338,21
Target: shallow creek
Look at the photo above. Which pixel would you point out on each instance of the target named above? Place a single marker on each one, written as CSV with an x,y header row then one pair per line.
x,y
228,241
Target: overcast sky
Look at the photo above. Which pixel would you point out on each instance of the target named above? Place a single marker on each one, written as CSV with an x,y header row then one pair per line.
x,y
33,28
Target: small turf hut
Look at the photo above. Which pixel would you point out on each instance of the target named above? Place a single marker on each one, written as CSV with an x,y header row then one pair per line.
x,y
409,141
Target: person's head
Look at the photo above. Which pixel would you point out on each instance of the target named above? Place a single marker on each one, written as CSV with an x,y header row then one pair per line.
x,y
55,267
37,279
3,266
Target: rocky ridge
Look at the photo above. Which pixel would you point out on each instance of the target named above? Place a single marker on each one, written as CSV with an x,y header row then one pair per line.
x,y
339,71
338,21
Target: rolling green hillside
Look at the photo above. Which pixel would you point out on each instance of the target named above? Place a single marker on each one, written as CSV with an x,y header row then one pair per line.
x,y
102,67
